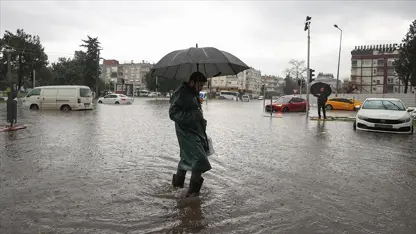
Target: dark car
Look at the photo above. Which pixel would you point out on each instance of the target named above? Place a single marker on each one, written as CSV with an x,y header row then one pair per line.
x,y
288,104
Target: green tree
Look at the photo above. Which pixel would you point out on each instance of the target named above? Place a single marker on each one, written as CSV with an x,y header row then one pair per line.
x,y
165,85
289,85
91,69
405,65
27,54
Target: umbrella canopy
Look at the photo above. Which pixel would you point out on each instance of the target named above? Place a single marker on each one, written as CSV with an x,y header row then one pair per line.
x,y
315,89
211,62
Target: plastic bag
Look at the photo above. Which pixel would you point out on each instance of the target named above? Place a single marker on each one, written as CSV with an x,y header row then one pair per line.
x,y
211,150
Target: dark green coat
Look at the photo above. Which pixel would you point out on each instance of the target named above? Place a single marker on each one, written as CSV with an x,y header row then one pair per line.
x,y
186,111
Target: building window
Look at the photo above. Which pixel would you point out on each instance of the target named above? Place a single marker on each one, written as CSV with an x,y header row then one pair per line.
x,y
378,82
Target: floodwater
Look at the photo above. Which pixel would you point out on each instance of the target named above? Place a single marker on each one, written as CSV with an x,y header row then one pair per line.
x,y
109,171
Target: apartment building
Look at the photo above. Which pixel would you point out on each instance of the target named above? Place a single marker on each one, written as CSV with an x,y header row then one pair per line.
x,y
372,69
134,73
248,81
271,83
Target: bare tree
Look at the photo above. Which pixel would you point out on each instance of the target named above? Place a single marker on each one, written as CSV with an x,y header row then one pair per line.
x,y
297,70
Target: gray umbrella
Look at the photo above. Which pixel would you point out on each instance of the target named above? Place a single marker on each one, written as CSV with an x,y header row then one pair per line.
x,y
180,64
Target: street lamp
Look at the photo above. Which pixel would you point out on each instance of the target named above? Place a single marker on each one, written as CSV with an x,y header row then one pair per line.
x,y
339,59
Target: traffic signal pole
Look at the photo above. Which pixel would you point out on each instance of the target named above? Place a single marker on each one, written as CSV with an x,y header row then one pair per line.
x,y
308,63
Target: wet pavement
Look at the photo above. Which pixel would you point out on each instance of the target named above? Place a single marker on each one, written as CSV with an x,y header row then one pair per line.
x,y
109,171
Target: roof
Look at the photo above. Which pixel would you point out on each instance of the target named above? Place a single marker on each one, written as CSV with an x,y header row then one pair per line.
x,y
62,86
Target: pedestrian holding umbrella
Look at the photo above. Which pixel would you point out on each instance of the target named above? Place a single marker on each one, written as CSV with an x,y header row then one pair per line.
x,y
193,66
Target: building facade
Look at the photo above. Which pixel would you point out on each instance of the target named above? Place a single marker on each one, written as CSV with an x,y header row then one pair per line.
x,y
271,83
328,78
135,73
132,73
248,81
372,69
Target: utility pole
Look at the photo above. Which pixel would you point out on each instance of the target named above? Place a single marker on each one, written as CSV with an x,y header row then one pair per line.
x,y
98,73
9,68
339,59
34,78
308,27
157,85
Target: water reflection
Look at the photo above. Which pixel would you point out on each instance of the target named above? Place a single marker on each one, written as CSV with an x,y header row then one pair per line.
x,y
284,175
190,216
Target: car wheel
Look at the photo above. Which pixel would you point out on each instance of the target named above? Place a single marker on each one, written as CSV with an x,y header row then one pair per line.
x,y
355,125
34,107
328,107
65,108
117,103
285,109
100,102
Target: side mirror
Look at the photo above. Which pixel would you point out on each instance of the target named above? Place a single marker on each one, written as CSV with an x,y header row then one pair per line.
x,y
410,109
357,107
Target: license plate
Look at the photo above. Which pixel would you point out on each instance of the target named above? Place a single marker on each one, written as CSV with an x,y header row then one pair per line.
x,y
383,126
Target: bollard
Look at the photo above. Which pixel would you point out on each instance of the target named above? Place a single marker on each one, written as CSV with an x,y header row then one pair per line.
x,y
11,108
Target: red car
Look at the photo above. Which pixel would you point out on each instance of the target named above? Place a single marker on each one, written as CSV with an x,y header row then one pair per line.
x,y
287,104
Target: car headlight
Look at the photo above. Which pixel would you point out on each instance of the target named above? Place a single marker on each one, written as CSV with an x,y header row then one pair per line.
x,y
406,119
361,117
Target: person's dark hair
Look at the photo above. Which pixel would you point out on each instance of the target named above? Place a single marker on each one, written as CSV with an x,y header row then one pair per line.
x,y
197,76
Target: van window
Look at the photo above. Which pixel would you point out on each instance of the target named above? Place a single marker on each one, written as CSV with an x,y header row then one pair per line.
x,y
34,92
83,92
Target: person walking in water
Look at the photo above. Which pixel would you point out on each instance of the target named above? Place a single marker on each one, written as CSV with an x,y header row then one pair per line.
x,y
322,99
186,111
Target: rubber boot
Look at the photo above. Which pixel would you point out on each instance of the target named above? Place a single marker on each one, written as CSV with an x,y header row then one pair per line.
x,y
194,188
177,181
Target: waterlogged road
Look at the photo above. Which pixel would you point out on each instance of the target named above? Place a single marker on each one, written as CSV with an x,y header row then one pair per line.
x,y
109,171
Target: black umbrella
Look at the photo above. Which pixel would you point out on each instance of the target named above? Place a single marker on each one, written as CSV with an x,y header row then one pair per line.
x,y
180,64
316,88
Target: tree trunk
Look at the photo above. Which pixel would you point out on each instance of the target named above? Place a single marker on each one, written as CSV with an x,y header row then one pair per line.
x,y
20,74
406,83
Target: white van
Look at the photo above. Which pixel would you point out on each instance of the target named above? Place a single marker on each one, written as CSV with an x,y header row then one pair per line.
x,y
245,98
59,97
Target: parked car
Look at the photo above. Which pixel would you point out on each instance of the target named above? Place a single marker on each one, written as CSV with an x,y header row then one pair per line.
x,y
342,104
384,115
260,98
59,97
287,103
245,98
154,94
115,99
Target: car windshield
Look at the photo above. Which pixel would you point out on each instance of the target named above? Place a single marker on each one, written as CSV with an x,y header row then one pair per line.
x,y
384,105
122,95
282,100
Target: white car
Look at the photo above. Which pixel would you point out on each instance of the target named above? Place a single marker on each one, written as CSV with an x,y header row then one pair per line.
x,y
115,99
384,115
245,98
260,98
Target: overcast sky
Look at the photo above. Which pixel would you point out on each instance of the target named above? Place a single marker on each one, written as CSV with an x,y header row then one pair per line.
x,y
264,34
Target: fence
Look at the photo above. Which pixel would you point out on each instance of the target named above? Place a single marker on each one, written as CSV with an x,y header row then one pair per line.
x,y
408,99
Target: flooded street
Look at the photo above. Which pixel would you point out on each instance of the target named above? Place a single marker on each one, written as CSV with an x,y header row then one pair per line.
x,y
110,170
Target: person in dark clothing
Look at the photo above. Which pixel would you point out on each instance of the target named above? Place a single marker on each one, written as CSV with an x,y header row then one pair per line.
x,y
322,98
186,111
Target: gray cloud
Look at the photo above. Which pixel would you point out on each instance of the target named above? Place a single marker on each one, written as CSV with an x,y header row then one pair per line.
x,y
265,34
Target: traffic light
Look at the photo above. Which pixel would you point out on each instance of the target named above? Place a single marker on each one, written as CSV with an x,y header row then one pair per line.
x,y
311,75
299,82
